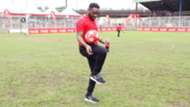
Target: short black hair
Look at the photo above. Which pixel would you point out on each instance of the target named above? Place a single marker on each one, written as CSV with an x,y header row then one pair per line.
x,y
93,5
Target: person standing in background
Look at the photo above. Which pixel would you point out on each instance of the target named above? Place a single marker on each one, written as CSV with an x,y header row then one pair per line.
x,y
118,28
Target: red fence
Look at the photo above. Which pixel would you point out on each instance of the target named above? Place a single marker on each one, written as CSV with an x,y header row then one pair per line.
x,y
62,30
164,29
108,29
50,30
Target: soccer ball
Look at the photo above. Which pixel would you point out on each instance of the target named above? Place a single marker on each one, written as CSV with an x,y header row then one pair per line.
x,y
92,36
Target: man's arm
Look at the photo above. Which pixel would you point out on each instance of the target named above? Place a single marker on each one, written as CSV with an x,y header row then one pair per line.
x,y
106,43
88,48
101,41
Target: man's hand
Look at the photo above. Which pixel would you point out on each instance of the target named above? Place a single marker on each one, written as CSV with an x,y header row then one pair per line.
x,y
107,44
88,50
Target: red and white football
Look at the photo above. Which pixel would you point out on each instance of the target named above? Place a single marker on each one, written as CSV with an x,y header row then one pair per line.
x,y
92,36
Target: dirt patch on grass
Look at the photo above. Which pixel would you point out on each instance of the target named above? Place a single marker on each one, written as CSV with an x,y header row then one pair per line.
x,y
177,104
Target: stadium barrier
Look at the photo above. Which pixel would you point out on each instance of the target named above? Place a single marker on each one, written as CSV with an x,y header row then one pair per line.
x,y
49,30
164,24
48,23
62,30
42,24
164,29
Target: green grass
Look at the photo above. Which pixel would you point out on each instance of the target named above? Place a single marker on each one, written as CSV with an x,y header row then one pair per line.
x,y
143,69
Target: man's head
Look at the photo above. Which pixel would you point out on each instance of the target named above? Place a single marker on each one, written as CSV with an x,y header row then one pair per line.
x,y
93,10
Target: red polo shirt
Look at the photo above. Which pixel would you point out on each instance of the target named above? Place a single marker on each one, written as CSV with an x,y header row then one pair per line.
x,y
85,24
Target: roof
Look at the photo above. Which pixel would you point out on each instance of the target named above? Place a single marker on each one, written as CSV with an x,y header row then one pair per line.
x,y
117,13
68,11
166,5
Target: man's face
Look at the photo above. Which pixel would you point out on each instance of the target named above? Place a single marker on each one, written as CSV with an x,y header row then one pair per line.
x,y
93,13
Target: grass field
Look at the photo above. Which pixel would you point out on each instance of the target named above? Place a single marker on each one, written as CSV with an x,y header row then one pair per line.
x,y
142,70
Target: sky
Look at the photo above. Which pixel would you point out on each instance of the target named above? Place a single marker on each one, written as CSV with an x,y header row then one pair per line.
x,y
30,5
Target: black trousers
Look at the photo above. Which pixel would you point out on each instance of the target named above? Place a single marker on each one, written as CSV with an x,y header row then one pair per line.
x,y
118,33
95,61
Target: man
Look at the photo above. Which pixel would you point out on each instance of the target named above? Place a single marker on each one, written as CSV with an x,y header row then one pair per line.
x,y
95,53
119,27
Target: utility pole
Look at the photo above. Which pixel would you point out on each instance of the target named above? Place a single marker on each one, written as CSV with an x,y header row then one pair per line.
x,y
136,12
66,3
180,12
